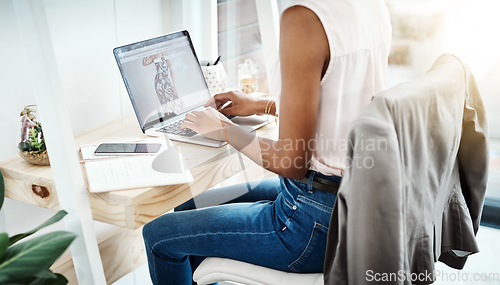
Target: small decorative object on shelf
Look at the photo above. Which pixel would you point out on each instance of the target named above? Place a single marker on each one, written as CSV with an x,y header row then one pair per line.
x,y
248,77
32,143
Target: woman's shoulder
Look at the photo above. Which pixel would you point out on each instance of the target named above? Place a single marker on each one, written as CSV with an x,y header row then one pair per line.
x,y
301,17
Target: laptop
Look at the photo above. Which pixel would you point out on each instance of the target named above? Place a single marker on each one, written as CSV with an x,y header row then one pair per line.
x,y
164,81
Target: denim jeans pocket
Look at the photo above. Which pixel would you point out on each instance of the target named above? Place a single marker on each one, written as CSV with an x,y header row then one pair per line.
x,y
317,205
312,257
286,211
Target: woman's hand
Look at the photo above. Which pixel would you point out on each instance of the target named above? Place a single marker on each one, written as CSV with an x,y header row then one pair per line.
x,y
208,122
239,104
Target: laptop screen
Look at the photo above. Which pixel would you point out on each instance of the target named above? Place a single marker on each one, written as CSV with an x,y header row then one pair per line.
x,y
163,77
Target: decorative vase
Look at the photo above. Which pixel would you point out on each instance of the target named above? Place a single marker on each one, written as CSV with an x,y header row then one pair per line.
x,y
248,77
31,146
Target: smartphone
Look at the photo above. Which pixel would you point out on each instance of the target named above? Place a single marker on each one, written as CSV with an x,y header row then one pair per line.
x,y
127,148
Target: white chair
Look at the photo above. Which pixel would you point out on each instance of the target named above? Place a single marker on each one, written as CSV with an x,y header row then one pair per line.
x,y
214,269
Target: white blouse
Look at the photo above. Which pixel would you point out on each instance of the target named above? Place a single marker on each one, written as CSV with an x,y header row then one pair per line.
x,y
359,34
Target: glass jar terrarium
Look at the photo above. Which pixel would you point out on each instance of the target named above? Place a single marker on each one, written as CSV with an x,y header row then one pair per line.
x,y
31,146
248,77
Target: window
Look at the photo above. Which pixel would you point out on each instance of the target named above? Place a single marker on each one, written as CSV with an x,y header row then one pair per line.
x,y
239,39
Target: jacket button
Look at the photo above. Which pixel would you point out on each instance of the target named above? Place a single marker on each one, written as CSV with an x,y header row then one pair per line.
x,y
294,207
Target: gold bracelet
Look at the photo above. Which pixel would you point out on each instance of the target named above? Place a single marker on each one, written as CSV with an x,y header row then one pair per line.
x,y
268,107
275,113
267,104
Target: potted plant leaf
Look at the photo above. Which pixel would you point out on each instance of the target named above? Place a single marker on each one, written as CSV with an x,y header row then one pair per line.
x,y
29,262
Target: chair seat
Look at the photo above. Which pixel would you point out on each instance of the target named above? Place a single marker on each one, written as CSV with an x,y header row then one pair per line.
x,y
214,269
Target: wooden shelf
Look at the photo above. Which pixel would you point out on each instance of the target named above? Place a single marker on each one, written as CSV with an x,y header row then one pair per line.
x,y
121,250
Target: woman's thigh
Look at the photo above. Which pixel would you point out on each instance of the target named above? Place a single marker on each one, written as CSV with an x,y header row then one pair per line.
x,y
240,231
260,190
287,234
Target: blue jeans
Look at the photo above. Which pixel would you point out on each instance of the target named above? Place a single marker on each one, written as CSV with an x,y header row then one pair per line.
x,y
279,223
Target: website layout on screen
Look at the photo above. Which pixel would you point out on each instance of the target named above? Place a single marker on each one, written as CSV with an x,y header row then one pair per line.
x,y
163,79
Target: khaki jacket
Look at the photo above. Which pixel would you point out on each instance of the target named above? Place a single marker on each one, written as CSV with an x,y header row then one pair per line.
x,y
415,187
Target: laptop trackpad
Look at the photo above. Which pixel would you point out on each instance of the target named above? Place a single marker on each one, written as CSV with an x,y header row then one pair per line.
x,y
251,122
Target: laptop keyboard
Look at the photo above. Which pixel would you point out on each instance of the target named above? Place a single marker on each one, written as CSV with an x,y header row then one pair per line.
x,y
174,128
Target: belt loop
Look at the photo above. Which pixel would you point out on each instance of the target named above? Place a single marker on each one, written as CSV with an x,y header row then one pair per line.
x,y
310,181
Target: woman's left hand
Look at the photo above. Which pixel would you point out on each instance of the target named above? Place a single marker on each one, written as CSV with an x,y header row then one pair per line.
x,y
208,122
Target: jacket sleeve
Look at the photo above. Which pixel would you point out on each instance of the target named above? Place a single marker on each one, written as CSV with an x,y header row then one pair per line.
x,y
473,161
473,154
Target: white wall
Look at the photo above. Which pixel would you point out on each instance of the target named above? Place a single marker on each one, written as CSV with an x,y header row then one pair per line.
x,y
84,34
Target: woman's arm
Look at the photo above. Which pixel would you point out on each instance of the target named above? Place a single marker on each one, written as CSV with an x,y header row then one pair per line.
x,y
150,59
147,60
304,55
240,104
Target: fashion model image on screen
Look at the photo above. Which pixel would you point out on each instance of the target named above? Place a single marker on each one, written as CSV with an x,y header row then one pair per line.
x,y
165,82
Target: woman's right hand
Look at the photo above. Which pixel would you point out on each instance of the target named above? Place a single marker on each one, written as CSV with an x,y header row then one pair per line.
x,y
239,104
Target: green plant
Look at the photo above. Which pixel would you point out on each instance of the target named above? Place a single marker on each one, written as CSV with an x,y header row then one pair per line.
x,y
32,138
29,262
